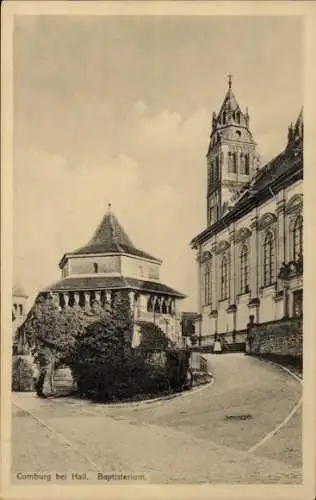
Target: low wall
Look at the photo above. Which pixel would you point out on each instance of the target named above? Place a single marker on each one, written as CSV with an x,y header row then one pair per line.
x,y
283,338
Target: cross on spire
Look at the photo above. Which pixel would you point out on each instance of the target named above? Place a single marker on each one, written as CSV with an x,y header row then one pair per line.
x,y
230,81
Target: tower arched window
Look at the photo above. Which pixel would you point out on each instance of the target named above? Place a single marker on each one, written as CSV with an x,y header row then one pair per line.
x,y
224,117
232,162
217,167
246,164
238,116
95,267
268,259
244,270
224,278
297,238
234,158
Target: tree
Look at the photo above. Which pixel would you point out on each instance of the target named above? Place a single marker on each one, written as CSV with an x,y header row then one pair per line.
x,y
98,356
122,316
98,339
72,324
51,334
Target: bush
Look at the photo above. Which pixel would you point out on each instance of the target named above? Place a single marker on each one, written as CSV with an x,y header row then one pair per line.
x,y
106,381
22,374
178,365
152,337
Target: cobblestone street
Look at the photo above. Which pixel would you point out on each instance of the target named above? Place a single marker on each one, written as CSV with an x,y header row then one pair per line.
x,y
214,434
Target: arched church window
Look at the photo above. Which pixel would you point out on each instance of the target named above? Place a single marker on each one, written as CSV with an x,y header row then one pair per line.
x,y
224,278
297,238
268,259
238,117
244,270
224,117
95,267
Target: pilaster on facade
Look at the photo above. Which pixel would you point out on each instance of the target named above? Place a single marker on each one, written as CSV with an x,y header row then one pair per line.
x,y
281,242
55,298
87,300
66,299
232,266
254,257
76,299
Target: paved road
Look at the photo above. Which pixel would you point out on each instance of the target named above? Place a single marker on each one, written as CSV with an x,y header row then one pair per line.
x,y
191,439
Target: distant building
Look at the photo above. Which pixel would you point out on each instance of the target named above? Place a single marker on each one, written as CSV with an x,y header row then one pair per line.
x,y
188,320
110,262
188,329
19,304
254,229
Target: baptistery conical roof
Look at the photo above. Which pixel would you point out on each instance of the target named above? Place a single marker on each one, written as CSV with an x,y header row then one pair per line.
x,y
110,237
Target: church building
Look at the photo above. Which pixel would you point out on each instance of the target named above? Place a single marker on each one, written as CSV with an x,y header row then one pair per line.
x,y
110,262
250,255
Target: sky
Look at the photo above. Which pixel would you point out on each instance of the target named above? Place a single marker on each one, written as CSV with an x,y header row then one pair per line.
x,y
117,109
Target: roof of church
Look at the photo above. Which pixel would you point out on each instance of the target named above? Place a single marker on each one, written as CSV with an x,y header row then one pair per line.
x,y
230,101
110,237
284,169
79,283
18,291
231,123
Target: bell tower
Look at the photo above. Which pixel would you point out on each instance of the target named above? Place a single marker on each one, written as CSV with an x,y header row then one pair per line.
x,y
231,158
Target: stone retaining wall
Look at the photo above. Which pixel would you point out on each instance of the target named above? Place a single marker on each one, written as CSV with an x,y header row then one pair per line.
x,y
284,337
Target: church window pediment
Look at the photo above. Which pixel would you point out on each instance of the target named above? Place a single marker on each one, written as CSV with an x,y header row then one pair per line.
x,y
242,234
266,220
295,203
206,256
222,246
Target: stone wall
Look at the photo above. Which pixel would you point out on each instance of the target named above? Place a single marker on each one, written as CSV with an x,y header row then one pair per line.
x,y
283,338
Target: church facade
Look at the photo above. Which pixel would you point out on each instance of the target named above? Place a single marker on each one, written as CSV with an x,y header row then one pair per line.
x,y
110,262
250,255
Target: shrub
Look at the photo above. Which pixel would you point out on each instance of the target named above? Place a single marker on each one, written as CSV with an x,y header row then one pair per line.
x,y
177,367
22,374
152,337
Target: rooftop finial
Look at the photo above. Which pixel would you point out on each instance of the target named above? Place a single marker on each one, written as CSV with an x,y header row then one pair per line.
x,y
230,81
109,207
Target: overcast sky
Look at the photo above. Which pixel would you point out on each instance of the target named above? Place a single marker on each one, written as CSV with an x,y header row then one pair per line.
x,y
117,109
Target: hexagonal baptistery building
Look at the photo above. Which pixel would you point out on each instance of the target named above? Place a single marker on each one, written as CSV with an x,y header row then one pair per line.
x,y
110,262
